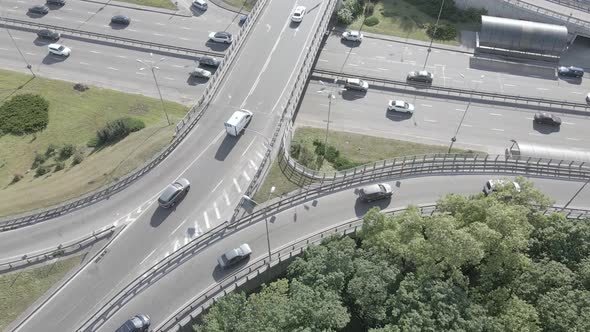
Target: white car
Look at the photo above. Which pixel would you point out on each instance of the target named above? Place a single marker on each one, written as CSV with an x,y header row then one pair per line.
x,y
200,4
400,106
59,49
298,14
200,73
355,36
221,37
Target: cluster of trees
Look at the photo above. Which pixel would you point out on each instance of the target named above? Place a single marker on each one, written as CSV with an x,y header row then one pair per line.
x,y
320,154
495,263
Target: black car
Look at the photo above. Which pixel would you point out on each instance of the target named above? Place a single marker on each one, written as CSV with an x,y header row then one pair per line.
x,y
570,71
56,2
121,19
137,323
209,61
420,76
548,119
48,34
39,9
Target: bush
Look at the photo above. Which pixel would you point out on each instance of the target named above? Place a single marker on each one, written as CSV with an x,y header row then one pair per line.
x,y
59,166
67,151
371,21
42,170
39,159
472,14
342,163
295,150
78,158
118,129
50,150
307,158
369,8
81,87
23,114
344,16
445,31
17,177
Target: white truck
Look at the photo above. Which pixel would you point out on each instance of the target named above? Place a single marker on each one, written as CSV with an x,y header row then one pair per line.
x,y
236,123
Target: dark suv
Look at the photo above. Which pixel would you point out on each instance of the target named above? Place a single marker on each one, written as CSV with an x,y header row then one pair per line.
x,y
548,119
48,34
570,71
121,19
39,9
174,193
137,323
56,2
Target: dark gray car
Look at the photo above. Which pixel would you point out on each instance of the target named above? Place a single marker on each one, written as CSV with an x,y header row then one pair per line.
x,y
375,192
39,9
174,193
121,19
137,323
234,256
209,61
56,2
420,76
48,34
548,119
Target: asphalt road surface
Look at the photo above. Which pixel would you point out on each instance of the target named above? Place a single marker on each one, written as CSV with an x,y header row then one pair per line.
x,y
112,67
186,281
191,32
393,60
485,127
219,167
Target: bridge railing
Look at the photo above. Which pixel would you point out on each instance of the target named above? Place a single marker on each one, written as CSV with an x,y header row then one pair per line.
x,y
550,13
213,293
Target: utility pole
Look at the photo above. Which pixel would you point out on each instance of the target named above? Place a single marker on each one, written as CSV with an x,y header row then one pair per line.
x,y
153,68
442,4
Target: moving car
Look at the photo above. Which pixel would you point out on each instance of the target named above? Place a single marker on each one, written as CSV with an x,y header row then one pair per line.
x,y
234,256
48,34
174,193
39,9
355,36
420,76
356,84
570,71
121,19
375,192
200,73
200,4
137,323
221,37
237,122
491,185
209,61
56,2
400,106
547,118
59,49
298,14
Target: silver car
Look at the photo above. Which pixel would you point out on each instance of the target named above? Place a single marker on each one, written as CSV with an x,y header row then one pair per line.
x,y
221,37
234,256
201,73
375,192
174,193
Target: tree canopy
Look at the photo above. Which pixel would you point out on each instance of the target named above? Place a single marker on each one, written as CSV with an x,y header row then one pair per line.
x,y
479,263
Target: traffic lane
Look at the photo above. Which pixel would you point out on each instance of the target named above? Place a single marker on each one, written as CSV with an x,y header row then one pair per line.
x,y
184,282
393,60
105,66
487,126
190,32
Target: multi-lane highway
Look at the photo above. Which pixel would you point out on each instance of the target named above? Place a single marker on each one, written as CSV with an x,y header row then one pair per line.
x,y
485,127
392,59
219,167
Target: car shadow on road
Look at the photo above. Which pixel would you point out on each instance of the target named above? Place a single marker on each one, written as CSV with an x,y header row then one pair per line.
x,y
419,85
118,26
353,94
160,215
35,15
545,129
349,43
191,80
197,12
294,25
220,273
226,146
571,80
217,47
397,116
50,59
361,208
42,41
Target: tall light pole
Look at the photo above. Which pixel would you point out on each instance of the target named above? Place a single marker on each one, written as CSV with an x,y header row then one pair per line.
x,y
272,190
153,68
454,138
330,97
442,4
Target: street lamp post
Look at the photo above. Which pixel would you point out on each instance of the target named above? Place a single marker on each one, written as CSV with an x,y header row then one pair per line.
x,y
153,67
330,97
454,138
246,197
442,4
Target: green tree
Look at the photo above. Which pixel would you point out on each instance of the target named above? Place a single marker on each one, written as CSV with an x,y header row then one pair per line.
x,y
518,316
217,319
542,277
315,309
565,309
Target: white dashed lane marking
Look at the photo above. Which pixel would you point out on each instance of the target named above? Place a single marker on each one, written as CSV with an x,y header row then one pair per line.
x,y
497,129
216,209
496,114
237,186
206,220
111,68
252,164
246,175
227,202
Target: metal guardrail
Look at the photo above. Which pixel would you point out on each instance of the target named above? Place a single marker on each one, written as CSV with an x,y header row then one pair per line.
x,y
60,250
547,12
109,38
584,6
213,293
182,129
423,89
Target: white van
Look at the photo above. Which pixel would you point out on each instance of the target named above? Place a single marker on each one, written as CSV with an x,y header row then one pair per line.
x,y
491,185
200,4
236,123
